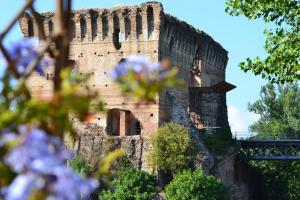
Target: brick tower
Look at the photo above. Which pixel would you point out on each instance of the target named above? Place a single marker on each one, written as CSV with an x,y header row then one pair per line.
x,y
102,37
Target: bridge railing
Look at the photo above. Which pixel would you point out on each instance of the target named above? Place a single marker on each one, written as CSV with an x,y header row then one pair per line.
x,y
252,136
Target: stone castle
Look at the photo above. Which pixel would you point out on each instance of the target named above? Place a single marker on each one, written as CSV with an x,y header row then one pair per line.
x,y
100,38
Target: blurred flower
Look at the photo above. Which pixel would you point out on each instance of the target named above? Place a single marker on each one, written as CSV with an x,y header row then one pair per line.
x,y
24,52
40,162
143,79
138,64
22,186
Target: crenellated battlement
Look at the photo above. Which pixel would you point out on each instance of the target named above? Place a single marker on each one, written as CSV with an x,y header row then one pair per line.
x,y
118,24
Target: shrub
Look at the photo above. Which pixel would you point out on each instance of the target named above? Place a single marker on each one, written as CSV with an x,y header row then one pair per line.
x,y
196,185
172,149
80,166
131,184
218,142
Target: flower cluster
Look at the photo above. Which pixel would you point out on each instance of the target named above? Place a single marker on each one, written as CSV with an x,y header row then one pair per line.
x,y
140,77
39,160
138,64
24,52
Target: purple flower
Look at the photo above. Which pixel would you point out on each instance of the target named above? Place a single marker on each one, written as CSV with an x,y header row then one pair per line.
x,y
139,64
6,138
69,181
40,162
24,52
22,186
38,152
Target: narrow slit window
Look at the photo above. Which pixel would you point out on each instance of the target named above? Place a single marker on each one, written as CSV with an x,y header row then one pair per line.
x,y
83,28
139,25
150,21
116,33
94,25
127,27
104,27
30,28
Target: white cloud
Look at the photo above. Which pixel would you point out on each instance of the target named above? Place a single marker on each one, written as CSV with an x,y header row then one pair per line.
x,y
240,120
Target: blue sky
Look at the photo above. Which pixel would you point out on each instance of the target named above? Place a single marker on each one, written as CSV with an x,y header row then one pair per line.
x,y
240,37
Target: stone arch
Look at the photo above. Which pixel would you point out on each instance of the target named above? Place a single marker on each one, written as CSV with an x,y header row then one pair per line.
x,y
113,122
122,123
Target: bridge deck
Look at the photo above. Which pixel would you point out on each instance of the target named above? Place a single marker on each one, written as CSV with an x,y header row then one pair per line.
x,y
286,149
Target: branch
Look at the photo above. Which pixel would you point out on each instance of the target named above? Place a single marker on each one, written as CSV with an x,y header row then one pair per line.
x,y
11,65
15,19
39,22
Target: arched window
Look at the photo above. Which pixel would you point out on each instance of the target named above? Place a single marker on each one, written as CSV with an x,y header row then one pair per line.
x,y
113,122
122,122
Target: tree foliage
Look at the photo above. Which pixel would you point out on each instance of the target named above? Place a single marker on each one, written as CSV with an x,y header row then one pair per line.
x,y
172,148
218,142
196,185
279,110
131,184
280,179
282,40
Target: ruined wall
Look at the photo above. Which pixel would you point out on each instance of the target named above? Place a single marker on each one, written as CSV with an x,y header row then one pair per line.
x,y
100,38
93,144
225,169
201,61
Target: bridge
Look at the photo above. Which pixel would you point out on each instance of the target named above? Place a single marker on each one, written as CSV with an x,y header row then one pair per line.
x,y
285,147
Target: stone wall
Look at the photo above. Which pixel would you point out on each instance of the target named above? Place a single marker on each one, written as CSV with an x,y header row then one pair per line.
x,y
201,61
93,144
100,39
225,169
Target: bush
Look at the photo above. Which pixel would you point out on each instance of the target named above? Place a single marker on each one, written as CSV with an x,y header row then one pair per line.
x,y
131,184
188,185
80,166
218,142
172,149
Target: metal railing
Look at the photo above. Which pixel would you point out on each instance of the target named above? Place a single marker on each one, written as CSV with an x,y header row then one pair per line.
x,y
251,136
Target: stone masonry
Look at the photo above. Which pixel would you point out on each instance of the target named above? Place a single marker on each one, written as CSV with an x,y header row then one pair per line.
x,y
100,38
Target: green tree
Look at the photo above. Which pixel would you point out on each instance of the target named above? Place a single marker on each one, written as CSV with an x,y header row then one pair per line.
x,y
282,40
279,111
196,185
172,148
131,184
